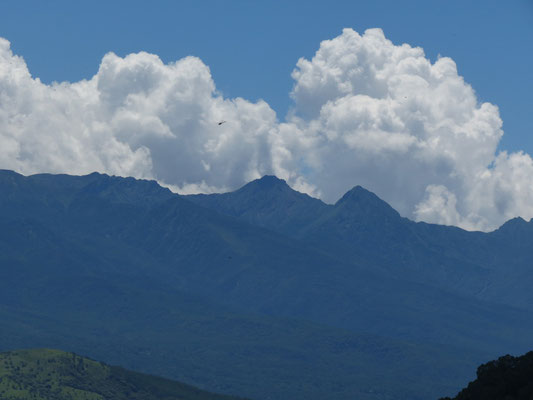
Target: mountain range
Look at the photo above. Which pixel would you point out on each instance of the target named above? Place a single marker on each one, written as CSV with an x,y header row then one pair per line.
x,y
263,292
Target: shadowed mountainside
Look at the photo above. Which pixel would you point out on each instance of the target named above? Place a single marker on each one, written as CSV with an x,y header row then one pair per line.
x,y
127,272
491,266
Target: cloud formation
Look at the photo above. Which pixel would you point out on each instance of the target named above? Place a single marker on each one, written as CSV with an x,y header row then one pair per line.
x,y
384,116
136,116
365,112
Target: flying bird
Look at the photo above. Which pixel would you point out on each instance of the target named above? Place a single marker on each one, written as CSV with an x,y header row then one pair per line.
x,y
221,122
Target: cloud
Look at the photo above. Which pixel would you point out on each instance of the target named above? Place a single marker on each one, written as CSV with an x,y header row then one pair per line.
x,y
136,116
366,111
384,116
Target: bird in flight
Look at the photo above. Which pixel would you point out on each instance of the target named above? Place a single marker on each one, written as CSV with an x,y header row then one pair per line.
x,y
221,122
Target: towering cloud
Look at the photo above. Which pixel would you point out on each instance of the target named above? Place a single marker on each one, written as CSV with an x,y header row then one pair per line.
x,y
365,112
136,116
384,116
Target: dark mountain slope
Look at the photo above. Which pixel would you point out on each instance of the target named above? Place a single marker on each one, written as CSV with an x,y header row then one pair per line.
x,y
512,245
267,202
185,338
95,290
219,257
361,224
56,375
362,227
202,252
257,270
101,268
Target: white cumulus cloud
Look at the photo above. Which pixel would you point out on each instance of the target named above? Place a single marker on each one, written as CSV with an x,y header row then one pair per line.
x,y
136,116
366,111
370,112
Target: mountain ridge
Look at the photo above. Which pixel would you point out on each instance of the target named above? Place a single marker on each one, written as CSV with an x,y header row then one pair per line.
x,y
362,226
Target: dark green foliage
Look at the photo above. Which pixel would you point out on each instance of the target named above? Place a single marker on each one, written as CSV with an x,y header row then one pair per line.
x,y
507,378
56,375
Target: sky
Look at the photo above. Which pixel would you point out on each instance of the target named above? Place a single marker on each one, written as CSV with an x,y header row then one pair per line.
x,y
431,110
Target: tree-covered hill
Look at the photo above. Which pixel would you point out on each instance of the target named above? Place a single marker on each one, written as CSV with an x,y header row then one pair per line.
x,y
45,374
507,378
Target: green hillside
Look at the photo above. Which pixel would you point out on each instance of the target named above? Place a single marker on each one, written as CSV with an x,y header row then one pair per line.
x,y
56,375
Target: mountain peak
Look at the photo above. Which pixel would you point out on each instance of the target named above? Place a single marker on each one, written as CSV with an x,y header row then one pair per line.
x,y
268,184
517,225
358,191
516,221
268,202
364,201
268,181
358,194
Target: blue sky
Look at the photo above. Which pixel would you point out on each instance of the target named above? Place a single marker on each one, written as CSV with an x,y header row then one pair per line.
x,y
252,46
364,108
